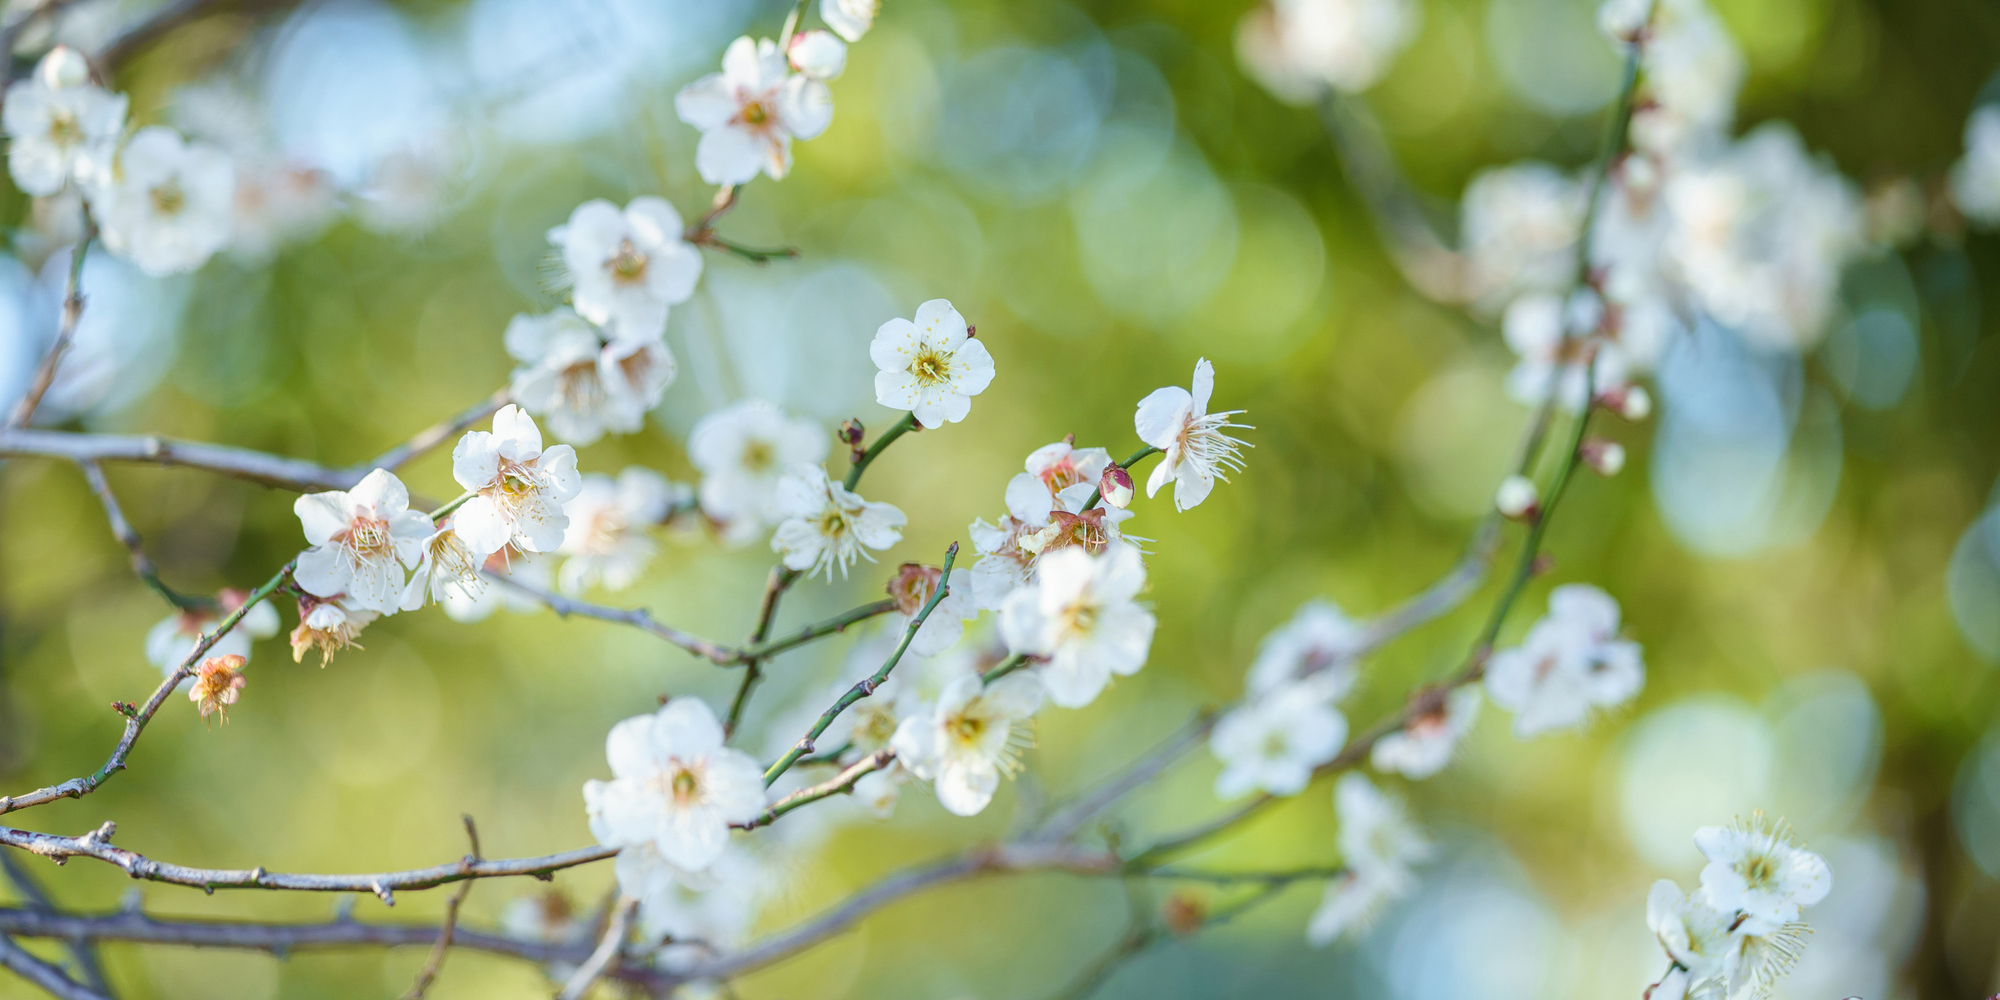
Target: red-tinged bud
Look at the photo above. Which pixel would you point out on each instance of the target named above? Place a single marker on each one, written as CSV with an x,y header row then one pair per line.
x,y
1605,458
912,586
1115,486
1184,913
1631,402
1517,498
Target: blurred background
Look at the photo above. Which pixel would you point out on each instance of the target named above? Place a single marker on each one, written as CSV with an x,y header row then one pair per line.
x,y
1106,194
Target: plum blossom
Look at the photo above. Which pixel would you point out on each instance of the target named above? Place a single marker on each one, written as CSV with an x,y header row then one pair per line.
x,y
1424,746
970,738
581,382
169,205
606,541
1518,228
1534,327
1319,641
520,487
851,19
1571,663
1694,934
742,451
1273,743
1045,512
446,568
826,526
627,267
360,541
1378,845
931,367
1197,449
218,682
173,640
328,625
817,54
674,787
1081,617
1753,868
1975,179
60,127
1693,70
750,112
280,197
1296,48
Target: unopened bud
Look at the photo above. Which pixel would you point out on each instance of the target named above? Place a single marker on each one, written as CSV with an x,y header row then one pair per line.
x,y
1604,457
817,54
1115,486
1517,498
851,433
63,67
1631,402
1184,913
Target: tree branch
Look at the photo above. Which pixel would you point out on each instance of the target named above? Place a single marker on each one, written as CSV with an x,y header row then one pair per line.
x,y
48,978
837,785
241,463
636,617
45,374
606,954
122,530
434,435
135,722
449,929
37,899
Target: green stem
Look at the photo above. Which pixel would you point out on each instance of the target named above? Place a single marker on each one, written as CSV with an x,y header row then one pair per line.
x,y
438,515
751,254
753,666
1008,666
840,784
838,623
867,685
903,426
1137,456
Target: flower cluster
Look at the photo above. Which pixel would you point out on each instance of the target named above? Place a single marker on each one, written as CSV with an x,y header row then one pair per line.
x,y
1571,664
1299,48
1741,931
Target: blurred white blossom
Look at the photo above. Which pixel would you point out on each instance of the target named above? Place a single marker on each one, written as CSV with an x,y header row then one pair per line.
x,y
674,786
742,451
1378,846
750,112
1518,227
60,127
173,640
1975,179
1571,663
1273,743
851,19
1425,746
168,205
1320,641
607,542
1297,47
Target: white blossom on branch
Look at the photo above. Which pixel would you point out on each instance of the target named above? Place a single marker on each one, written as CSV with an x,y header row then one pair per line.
x,y
932,366
1198,449
675,787
750,112
520,487
627,267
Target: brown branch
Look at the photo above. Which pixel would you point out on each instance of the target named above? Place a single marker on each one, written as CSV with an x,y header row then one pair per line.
x,y
434,435
283,939
136,719
449,929
1071,818
142,566
97,846
48,978
45,374
636,617
292,474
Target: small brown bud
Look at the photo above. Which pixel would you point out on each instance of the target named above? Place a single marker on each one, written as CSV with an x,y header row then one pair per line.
x,y
1184,913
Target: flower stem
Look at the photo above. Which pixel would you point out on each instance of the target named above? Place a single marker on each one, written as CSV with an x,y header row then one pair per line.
x,y
443,512
1008,666
903,426
838,623
867,685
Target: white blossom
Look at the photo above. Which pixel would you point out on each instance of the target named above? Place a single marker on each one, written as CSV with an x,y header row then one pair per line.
x,y
674,786
360,541
1761,234
750,112
931,367
169,205
1975,179
1717,954
850,18
328,625
1378,846
1319,641
1425,746
1518,228
1754,869
607,541
1198,451
60,126
742,451
280,198
447,567
817,54
1571,663
1693,933
173,640
1693,70
1080,615
583,382
1551,361
826,526
699,911
627,266
970,739
1273,743
1295,48
521,488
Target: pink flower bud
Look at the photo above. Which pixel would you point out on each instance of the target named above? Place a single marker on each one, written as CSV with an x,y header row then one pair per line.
x,y
1604,457
817,54
1517,498
1631,402
63,67
1115,486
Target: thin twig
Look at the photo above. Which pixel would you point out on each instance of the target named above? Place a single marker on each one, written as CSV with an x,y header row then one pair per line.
x,y
122,530
831,626
449,929
48,978
593,969
37,899
72,313
636,617
135,722
837,785
258,467
437,434
1143,936
1071,818
902,427
867,685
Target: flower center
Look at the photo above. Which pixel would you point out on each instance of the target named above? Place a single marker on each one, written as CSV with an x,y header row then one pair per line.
x,y
833,523
685,786
370,538
580,387
629,264
758,456
64,129
168,198
1275,744
966,728
1080,617
931,367
756,114
1759,871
